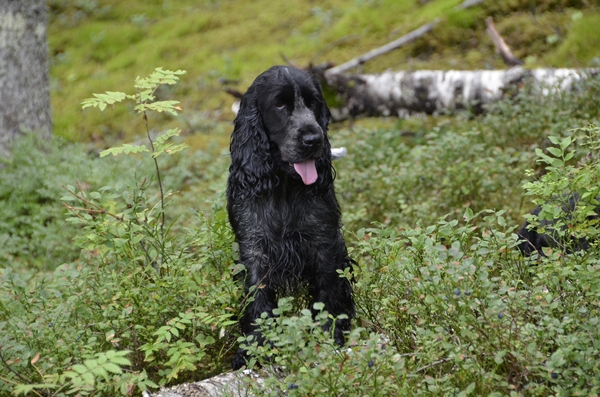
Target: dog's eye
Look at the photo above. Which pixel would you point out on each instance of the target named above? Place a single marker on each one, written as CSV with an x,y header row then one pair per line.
x,y
280,105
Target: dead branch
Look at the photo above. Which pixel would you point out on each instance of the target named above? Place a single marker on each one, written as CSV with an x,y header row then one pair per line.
x,y
501,46
288,61
333,44
407,38
468,3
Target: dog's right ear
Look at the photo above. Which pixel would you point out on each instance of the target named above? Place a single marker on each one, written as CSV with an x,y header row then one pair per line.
x,y
250,173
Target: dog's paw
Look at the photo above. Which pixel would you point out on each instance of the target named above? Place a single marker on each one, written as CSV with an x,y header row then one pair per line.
x,y
240,360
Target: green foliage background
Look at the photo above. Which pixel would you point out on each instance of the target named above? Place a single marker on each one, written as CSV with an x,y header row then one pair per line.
x,y
97,45
100,296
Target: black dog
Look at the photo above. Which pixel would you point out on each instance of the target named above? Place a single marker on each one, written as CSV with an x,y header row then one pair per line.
x,y
534,241
281,200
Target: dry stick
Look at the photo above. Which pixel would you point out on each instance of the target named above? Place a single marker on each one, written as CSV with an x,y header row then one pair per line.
x,y
468,3
407,38
442,361
22,378
288,61
333,44
501,46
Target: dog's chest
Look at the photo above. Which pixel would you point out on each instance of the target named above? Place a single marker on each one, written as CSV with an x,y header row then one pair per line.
x,y
293,218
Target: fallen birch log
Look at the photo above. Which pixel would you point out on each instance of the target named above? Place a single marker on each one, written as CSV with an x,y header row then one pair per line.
x,y
232,384
434,91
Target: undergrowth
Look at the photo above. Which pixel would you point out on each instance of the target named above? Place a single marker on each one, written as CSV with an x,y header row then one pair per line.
x,y
446,305
453,308
397,178
143,304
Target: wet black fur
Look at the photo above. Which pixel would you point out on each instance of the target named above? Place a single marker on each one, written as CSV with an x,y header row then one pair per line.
x,y
534,241
287,232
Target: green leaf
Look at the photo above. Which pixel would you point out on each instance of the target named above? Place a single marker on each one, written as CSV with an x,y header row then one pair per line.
x,y
569,155
470,388
499,357
88,378
413,310
162,138
115,369
90,364
101,100
566,142
468,215
162,146
555,151
101,371
159,106
125,149
26,389
80,369
554,139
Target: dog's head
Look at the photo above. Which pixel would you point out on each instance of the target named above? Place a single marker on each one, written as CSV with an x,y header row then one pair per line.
x,y
284,108
291,106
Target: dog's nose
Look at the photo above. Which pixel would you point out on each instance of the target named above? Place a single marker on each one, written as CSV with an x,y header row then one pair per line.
x,y
311,139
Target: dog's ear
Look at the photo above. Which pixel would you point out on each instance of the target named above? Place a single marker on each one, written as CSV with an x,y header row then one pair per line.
x,y
251,160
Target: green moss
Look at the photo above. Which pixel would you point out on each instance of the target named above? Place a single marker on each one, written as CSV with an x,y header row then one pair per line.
x,y
107,47
528,34
464,19
580,46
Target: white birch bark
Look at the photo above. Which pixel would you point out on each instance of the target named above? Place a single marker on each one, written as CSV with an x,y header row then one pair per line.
x,y
232,384
434,91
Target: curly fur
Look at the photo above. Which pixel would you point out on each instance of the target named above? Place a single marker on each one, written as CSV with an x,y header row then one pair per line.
x,y
534,241
287,225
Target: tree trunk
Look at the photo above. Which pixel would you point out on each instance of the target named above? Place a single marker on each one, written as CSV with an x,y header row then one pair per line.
x,y
24,89
434,91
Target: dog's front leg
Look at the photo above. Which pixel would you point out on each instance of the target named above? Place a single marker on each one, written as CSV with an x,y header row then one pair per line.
x,y
336,293
259,298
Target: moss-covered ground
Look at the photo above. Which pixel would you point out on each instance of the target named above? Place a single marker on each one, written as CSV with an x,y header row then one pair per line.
x,y
103,45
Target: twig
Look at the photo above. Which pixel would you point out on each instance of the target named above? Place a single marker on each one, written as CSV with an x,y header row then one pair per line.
x,y
467,4
22,378
433,364
162,194
332,45
288,61
501,46
407,38
99,209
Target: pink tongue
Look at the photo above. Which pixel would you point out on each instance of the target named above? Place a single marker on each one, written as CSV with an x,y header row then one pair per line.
x,y
307,171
